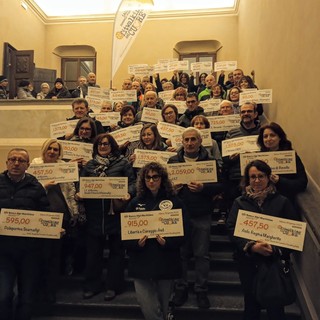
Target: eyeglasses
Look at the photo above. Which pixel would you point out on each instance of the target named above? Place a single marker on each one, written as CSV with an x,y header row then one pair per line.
x,y
155,178
180,95
259,177
53,149
191,101
14,160
85,129
104,144
170,113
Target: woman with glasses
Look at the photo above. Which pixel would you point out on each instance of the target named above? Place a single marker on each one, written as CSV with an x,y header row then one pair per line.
x,y
234,97
85,131
273,138
180,94
260,196
103,220
154,262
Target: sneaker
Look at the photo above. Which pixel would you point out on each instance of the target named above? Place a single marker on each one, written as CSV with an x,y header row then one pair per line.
x,y
203,301
222,219
180,296
110,295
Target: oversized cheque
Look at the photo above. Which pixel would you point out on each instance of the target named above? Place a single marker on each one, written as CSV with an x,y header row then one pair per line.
x,y
103,187
167,223
29,223
280,162
239,145
273,230
57,172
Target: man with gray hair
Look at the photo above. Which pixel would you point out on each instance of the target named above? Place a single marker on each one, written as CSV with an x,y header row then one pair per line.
x,y
197,197
20,257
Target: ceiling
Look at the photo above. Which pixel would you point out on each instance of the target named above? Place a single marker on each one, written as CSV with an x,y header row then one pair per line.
x,y
58,11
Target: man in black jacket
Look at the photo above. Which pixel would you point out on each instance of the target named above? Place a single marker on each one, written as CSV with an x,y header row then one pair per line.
x,y
20,257
197,197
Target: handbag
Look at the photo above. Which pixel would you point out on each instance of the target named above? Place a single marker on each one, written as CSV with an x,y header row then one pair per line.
x,y
272,284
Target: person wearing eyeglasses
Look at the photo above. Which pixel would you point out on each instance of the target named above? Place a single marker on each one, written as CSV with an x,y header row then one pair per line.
x,y
154,262
259,195
193,109
197,197
103,220
20,257
249,125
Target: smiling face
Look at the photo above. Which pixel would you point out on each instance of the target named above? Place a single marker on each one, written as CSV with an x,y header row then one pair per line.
x,y
169,115
128,118
271,140
104,147
106,107
258,180
148,138
234,95
80,110
85,130
248,114
52,153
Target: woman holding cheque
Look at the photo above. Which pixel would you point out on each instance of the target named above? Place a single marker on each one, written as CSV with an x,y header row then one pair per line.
x,y
103,222
61,197
155,263
273,138
260,196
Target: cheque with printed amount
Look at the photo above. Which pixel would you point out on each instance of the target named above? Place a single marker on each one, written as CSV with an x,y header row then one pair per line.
x,y
166,223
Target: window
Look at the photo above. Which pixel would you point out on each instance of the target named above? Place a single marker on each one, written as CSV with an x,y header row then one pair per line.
x,y
199,57
72,68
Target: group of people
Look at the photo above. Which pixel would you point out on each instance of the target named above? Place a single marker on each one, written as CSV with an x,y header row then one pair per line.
x,y
159,266
26,91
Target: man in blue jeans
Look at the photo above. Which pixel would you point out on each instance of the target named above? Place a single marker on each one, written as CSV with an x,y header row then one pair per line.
x,y
197,197
19,256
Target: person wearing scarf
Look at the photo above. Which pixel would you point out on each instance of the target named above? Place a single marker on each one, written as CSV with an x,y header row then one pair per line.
x,y
259,196
103,220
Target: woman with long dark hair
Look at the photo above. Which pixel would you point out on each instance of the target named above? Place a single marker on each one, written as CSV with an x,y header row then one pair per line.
x,y
155,262
273,138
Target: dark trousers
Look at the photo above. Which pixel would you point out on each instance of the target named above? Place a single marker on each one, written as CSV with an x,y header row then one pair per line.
x,y
19,267
252,308
94,263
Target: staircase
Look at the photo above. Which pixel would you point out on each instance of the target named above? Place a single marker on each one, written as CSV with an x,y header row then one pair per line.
x,y
224,293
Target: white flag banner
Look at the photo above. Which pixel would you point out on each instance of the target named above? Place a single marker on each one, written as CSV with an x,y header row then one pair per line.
x,y
129,19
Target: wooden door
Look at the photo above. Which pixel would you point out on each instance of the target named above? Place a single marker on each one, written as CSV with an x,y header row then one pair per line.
x,y
22,68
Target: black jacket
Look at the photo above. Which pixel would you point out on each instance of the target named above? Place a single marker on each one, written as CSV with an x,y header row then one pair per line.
x,y
98,220
27,194
154,261
274,205
198,203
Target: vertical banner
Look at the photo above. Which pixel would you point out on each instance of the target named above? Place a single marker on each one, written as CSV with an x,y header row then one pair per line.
x,y
129,19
